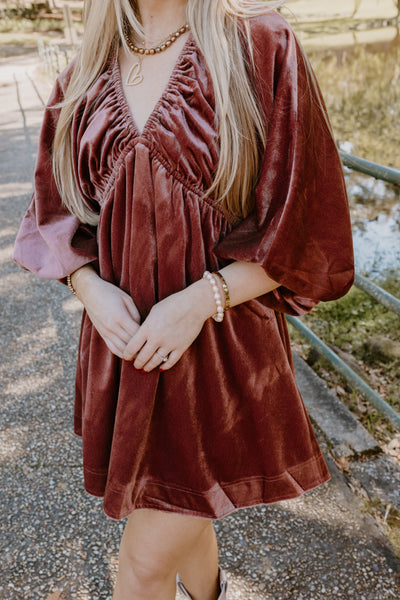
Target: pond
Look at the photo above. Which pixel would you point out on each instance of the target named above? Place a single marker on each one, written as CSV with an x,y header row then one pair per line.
x,y
355,51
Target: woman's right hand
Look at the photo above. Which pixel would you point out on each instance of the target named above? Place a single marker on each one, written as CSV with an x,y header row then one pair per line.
x,y
110,309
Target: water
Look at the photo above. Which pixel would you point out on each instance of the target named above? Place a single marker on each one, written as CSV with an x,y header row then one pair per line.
x,y
357,62
375,212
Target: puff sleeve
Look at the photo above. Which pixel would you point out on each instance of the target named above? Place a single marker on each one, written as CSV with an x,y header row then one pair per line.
x,y
300,228
52,242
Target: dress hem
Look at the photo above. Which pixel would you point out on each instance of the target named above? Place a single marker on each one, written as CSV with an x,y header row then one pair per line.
x,y
218,502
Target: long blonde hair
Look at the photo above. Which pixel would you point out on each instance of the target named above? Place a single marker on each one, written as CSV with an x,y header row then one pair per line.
x,y
241,124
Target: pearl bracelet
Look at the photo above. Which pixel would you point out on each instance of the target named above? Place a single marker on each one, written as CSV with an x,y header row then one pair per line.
x,y
219,315
70,286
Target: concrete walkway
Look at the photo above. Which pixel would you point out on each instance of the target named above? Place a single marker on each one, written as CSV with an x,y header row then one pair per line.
x,y
55,541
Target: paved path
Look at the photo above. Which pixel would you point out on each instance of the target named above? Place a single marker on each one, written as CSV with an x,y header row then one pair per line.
x,y
55,541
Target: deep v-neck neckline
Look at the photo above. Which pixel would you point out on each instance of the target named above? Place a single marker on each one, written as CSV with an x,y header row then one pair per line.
x,y
169,85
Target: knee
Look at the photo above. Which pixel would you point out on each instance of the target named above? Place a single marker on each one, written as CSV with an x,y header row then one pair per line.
x,y
147,576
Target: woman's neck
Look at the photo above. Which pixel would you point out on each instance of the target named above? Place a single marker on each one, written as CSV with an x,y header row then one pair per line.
x,y
160,17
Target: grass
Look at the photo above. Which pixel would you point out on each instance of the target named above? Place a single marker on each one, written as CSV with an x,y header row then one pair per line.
x,y
388,517
348,324
362,92
393,529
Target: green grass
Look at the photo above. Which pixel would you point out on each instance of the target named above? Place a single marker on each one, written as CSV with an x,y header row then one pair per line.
x,y
347,324
355,317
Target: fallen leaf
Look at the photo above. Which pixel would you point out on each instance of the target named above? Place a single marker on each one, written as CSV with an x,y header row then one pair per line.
x,y
54,596
343,462
340,391
394,444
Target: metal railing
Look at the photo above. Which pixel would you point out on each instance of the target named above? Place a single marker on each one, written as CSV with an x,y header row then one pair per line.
x,y
54,58
370,168
382,296
367,286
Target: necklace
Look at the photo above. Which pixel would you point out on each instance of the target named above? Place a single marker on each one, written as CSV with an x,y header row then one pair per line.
x,y
135,76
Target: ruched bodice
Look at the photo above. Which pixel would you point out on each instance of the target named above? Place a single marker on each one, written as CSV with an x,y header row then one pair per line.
x,y
226,426
180,131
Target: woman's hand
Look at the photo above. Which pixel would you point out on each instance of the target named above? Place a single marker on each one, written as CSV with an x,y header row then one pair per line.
x,y
112,311
172,324
171,327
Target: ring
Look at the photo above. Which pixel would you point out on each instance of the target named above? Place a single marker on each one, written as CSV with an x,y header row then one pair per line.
x,y
163,358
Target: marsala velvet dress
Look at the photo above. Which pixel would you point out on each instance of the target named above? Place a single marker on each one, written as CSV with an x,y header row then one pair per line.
x,y
226,427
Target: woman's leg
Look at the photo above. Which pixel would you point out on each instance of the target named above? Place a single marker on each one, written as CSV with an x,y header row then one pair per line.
x,y
198,569
155,545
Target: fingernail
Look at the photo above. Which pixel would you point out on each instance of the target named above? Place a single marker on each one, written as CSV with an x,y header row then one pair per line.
x,y
161,370
136,369
143,371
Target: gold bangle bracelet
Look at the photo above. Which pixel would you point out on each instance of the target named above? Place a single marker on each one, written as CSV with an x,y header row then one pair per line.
x,y
225,288
71,287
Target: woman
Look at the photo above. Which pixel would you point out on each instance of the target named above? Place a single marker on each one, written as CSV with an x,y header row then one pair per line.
x,y
170,184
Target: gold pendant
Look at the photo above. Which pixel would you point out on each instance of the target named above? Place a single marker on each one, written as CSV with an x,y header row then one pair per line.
x,y
135,76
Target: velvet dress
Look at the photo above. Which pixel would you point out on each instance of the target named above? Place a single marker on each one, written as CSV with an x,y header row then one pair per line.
x,y
226,426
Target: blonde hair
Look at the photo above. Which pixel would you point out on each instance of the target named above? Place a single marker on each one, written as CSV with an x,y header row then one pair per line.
x,y
240,121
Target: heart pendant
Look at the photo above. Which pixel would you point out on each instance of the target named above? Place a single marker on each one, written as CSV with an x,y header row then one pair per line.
x,y
135,76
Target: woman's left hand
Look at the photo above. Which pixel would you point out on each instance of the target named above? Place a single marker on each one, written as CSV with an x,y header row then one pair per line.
x,y
171,327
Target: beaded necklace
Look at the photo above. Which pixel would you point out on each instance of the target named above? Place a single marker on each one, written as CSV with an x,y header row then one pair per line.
x,y
135,76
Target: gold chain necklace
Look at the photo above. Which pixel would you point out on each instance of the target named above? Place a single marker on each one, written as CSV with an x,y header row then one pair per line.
x,y
135,76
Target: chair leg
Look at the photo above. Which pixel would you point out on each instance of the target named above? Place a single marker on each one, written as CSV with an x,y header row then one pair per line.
x,y
223,586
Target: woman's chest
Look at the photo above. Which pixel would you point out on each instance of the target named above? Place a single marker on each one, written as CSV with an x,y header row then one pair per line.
x,y
179,129
145,77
